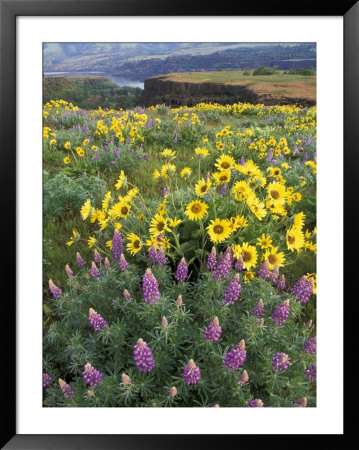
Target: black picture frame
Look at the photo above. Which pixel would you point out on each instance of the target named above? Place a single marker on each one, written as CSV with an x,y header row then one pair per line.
x,y
9,11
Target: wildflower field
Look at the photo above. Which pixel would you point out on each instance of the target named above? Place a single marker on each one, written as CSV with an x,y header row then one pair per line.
x,y
179,256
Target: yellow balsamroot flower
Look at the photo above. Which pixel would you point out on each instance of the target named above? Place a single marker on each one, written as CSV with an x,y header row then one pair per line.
x,y
313,165
202,187
132,193
67,145
123,209
295,239
135,243
299,220
80,151
94,148
168,153
85,209
265,241
186,172
225,162
285,166
156,174
239,222
222,177
67,160
276,172
249,255
158,225
174,222
120,180
248,276
73,237
274,257
202,152
167,170
85,142
196,210
276,193
220,145
297,196
103,223
105,201
256,206
91,241
241,190
53,142
219,230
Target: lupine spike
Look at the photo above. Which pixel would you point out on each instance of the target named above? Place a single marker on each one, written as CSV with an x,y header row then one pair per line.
x,y
281,361
117,245
79,260
213,331
243,378
233,290
68,271
281,313
91,375
182,271
107,263
96,320
256,403
236,356
259,309
65,388
191,373
55,290
212,259
143,356
123,264
97,257
94,272
150,290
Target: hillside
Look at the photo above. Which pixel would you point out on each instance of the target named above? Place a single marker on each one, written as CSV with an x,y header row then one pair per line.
x,y
228,87
90,92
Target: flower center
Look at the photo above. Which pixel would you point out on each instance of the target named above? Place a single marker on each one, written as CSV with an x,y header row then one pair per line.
x,y
218,229
136,244
160,226
272,259
124,210
204,188
225,165
196,208
291,239
274,194
246,256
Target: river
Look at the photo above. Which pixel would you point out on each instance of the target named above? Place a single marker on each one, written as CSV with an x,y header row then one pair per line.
x,y
120,81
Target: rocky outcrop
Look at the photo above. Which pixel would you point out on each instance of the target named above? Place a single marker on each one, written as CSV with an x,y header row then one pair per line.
x,y
160,90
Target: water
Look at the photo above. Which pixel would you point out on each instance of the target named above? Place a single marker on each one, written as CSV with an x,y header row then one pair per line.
x,y
120,81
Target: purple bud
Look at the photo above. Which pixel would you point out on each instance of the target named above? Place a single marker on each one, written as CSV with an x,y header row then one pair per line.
x,y
233,291
68,271
213,331
212,260
107,263
274,274
259,309
224,267
281,313
46,380
97,257
55,290
66,388
236,356
182,271
160,256
96,321
152,252
239,264
94,272
303,289
143,357
150,290
123,264
117,245
301,402
126,295
243,378
263,271
91,375
191,373
256,403
280,361
80,262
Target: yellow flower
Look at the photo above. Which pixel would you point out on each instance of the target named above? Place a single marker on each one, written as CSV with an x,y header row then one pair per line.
x,y
85,142
135,245
85,209
53,142
196,210
123,209
274,257
219,230
299,220
167,152
295,239
249,255
222,177
248,276
241,190
109,244
94,148
80,151
186,172
202,152
313,165
202,187
156,174
168,170
120,180
265,241
276,193
67,160
256,206
91,241
67,145
106,200
174,222
225,162
158,225
73,237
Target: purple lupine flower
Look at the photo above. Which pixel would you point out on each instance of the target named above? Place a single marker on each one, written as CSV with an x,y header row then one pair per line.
x,y
305,158
91,375
263,271
145,157
116,152
126,295
281,313
223,268
94,272
213,331
68,271
229,251
112,163
96,320
150,290
233,290
239,264
143,356
46,380
243,378
269,156
97,257
303,289
117,245
212,259
55,290
310,346
107,263
182,271
258,310
191,373
85,128
96,156
164,192
105,148
236,356
311,373
281,283
123,264
223,189
66,388
160,256
301,402
256,403
242,161
152,252
280,361
80,262
274,274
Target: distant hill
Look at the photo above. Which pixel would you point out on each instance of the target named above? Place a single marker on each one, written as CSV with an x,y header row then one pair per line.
x,y
142,60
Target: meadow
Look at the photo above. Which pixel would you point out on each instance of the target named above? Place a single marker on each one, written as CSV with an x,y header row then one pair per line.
x,y
179,256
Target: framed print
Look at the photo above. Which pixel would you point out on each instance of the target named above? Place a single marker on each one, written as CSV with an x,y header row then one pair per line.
x,y
166,175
